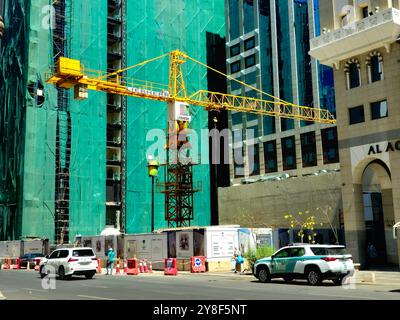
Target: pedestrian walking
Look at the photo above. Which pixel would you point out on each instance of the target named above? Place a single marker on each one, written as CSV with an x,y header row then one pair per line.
x,y
110,260
239,260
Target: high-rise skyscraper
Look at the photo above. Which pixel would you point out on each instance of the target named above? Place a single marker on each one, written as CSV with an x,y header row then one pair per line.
x,y
267,48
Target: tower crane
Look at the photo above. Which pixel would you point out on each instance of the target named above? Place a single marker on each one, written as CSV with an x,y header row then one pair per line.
x,y
178,188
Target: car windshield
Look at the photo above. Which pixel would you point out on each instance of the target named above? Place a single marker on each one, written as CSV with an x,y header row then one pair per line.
x,y
37,255
83,253
318,251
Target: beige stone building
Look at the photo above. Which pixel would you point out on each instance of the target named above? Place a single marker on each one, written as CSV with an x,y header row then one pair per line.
x,y
361,40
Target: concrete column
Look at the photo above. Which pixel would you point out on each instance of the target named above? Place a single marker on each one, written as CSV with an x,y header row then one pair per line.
x,y
354,222
275,64
389,221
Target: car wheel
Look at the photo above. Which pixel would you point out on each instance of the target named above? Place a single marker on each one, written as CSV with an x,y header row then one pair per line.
x,y
90,275
61,273
314,277
263,275
42,274
288,279
338,281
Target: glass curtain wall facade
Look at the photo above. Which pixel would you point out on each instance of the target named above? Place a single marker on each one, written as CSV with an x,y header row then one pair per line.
x,y
267,47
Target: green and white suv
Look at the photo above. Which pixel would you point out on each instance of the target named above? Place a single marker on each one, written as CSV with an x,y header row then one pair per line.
x,y
306,261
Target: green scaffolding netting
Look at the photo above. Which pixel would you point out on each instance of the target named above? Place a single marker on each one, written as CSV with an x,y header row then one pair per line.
x,y
88,43
154,28
28,164
30,123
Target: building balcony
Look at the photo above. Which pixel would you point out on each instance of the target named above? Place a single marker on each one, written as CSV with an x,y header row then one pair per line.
x,y
376,31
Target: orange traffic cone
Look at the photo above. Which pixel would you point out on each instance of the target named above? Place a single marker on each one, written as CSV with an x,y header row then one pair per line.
x,y
150,267
125,267
98,266
117,271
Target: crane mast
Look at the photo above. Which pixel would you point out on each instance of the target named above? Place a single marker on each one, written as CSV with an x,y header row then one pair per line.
x,y
178,186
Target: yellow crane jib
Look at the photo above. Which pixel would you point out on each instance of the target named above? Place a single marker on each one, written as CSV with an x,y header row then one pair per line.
x,y
70,73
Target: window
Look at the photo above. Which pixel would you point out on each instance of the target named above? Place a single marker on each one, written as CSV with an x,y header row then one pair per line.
x,y
238,162
63,254
379,110
284,253
318,251
54,255
235,50
365,12
236,85
353,74
374,63
330,147
356,115
297,252
248,16
251,79
289,153
254,159
237,118
235,67
308,149
250,61
237,135
345,19
233,7
83,253
270,157
249,43
252,132
269,125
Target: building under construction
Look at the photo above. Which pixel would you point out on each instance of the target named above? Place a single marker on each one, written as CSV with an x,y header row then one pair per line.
x,y
71,167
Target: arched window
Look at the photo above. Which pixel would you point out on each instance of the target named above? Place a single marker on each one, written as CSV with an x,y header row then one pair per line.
x,y
374,64
353,73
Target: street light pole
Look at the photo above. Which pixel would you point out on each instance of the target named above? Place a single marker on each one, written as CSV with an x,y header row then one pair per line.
x,y
152,203
152,170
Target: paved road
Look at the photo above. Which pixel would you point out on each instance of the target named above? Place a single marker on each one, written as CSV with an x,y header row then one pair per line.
x,y
27,285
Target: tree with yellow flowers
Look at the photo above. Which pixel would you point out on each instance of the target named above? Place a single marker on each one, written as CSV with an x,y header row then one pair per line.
x,y
304,222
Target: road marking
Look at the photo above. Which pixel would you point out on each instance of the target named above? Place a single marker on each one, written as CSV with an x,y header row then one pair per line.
x,y
101,287
93,297
34,289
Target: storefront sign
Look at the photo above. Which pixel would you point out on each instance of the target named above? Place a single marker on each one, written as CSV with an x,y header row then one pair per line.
x,y
389,147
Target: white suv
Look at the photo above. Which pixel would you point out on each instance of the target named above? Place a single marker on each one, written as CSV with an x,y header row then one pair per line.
x,y
70,261
306,261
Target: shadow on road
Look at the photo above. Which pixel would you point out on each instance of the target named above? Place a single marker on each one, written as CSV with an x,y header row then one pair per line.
x,y
71,279
297,283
